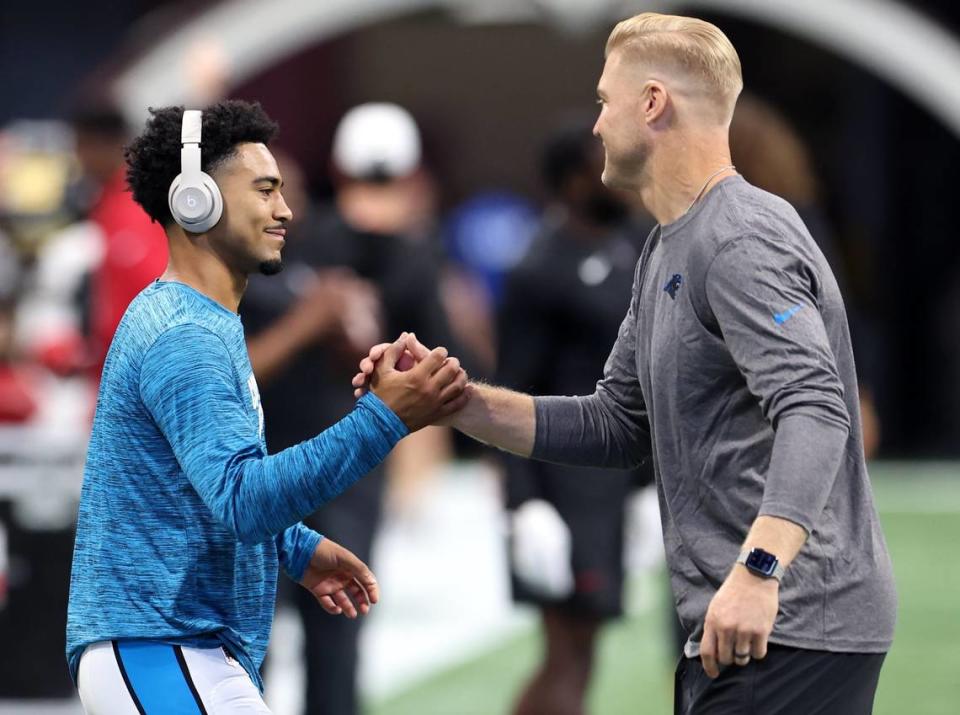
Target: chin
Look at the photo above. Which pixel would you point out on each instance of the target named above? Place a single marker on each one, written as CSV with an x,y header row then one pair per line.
x,y
271,268
611,180
620,181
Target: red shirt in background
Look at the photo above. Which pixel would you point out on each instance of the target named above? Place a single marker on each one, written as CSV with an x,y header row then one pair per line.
x,y
135,252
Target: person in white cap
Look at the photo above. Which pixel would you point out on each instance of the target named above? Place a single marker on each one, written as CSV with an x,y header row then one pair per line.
x,y
351,267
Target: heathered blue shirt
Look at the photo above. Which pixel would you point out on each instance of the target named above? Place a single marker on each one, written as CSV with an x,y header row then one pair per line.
x,y
184,518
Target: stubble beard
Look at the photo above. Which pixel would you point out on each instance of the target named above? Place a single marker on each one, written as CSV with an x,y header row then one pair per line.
x,y
271,268
629,173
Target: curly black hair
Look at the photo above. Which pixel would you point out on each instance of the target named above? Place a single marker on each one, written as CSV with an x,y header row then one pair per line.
x,y
153,158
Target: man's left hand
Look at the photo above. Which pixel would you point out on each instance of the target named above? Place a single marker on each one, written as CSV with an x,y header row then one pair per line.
x,y
340,581
739,620
414,353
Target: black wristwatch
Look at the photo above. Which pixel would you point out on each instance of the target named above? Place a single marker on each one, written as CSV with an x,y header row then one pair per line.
x,y
762,563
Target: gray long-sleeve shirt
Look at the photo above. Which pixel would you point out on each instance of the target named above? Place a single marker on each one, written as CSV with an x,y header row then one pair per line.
x,y
733,368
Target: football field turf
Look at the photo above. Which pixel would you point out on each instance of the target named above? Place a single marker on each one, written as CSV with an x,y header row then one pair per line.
x,y
920,510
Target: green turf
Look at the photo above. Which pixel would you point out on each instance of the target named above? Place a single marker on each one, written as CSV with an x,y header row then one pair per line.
x,y
920,510
634,675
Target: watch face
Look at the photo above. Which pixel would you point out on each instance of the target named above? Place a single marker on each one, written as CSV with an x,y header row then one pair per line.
x,y
760,560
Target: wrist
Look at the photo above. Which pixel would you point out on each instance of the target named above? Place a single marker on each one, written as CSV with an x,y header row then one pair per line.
x,y
745,576
394,425
760,563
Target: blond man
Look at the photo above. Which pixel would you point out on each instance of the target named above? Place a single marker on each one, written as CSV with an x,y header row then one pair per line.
x,y
733,369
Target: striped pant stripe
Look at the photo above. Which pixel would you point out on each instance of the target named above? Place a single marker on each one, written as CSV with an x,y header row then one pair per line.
x,y
157,677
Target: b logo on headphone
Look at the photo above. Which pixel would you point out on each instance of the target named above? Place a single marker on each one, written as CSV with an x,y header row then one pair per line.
x,y
194,198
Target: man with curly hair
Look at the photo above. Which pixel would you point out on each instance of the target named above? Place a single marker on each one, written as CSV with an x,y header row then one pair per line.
x,y
184,517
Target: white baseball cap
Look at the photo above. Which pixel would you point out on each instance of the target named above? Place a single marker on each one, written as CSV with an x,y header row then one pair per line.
x,y
376,140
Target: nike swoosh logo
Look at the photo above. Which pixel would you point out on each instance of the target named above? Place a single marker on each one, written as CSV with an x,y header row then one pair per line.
x,y
781,318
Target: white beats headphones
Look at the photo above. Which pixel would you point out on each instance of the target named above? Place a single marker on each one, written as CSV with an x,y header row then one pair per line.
x,y
194,198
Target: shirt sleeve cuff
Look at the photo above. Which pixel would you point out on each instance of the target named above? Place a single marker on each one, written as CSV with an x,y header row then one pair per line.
x,y
298,567
393,425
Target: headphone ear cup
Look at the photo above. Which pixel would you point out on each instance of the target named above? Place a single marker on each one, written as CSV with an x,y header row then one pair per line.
x,y
216,209
171,199
195,207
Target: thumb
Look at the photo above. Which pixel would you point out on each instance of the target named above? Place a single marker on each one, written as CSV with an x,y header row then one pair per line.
x,y
393,353
416,348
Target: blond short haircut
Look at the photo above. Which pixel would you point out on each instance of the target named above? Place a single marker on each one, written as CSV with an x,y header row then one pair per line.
x,y
695,48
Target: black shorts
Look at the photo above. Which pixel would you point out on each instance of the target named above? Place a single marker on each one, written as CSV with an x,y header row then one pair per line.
x,y
591,503
789,681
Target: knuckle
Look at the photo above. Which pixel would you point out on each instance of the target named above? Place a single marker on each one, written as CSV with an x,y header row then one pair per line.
x,y
721,624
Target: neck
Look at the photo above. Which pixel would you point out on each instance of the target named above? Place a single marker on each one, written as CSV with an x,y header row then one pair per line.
x,y
193,263
680,175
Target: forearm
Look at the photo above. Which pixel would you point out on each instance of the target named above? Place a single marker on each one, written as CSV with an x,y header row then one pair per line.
x,y
499,417
593,431
260,497
807,452
272,349
805,460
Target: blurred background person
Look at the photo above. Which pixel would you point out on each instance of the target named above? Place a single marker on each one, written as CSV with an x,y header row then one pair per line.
x,y
134,249
772,155
45,398
485,238
18,399
561,311
355,273
18,403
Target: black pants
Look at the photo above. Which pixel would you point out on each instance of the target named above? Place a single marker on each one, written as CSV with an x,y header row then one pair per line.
x,y
789,681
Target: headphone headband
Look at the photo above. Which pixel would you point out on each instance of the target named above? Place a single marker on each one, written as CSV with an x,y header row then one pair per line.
x,y
190,151
192,126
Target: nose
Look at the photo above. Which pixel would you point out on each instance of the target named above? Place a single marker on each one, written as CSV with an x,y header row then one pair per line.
x,y
282,212
596,126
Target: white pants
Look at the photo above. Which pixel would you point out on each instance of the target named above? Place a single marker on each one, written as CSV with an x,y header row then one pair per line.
x,y
151,678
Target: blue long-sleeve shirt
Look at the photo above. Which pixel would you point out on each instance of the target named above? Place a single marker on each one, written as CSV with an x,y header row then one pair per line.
x,y
184,518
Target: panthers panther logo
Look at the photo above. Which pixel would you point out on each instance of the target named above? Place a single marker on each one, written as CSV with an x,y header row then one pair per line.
x,y
673,285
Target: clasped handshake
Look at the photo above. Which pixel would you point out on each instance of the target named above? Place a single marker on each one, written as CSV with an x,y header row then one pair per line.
x,y
421,386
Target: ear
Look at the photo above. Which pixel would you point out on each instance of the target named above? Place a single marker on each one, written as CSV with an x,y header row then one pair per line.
x,y
654,101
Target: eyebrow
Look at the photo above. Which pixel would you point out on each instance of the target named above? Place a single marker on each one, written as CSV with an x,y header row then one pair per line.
x,y
601,93
274,181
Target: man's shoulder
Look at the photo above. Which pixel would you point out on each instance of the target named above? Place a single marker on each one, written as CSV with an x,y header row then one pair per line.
x,y
751,211
744,212
171,311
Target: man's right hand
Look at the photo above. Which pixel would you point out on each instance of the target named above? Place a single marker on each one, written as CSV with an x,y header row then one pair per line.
x,y
434,388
